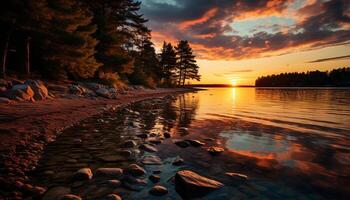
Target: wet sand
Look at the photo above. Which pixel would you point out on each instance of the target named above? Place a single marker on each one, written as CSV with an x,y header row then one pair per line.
x,y
26,127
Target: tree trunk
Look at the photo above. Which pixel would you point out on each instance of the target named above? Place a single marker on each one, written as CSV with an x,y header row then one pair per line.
x,y
180,77
6,48
4,58
184,78
27,56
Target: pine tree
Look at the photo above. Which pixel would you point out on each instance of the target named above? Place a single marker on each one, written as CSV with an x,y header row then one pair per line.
x,y
168,63
70,47
186,65
147,68
120,28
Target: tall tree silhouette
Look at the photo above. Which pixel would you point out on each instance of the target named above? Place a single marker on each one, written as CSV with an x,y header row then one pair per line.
x,y
186,63
168,63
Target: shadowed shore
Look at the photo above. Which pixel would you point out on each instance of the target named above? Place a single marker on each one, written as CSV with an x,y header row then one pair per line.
x,y
28,126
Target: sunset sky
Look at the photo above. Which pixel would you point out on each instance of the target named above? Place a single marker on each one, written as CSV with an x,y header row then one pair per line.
x,y
239,40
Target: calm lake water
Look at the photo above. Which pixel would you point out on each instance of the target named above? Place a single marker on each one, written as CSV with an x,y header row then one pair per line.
x,y
291,143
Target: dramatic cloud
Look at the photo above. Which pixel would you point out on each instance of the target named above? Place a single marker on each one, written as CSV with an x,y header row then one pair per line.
x,y
238,29
330,59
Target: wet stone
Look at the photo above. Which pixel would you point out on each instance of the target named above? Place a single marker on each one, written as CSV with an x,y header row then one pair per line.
x,y
196,143
158,190
71,197
148,148
82,174
190,184
154,178
151,160
112,197
237,176
128,144
113,183
182,143
116,173
213,150
178,161
135,170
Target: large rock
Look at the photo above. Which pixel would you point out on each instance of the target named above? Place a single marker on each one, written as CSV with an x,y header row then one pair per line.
x,y
158,190
190,184
21,92
116,173
40,90
82,174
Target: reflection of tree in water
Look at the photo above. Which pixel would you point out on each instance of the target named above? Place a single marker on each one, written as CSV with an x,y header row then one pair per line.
x,y
166,113
187,106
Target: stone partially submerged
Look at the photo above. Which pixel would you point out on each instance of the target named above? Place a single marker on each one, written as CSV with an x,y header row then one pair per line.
x,y
116,173
190,184
152,160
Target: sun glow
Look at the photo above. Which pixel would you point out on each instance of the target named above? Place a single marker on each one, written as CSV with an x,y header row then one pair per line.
x,y
233,82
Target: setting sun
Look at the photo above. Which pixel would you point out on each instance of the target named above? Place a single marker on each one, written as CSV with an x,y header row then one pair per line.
x,y
234,82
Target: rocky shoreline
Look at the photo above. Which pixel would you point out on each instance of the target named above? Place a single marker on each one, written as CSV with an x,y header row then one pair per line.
x,y
29,126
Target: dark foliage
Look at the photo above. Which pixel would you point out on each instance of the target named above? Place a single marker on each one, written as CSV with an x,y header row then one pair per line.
x,y
337,77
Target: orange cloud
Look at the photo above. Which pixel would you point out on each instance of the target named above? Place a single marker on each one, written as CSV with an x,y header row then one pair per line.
x,y
206,16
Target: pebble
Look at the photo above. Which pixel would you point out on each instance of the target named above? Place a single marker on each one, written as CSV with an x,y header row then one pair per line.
x,y
151,160
158,190
213,150
128,144
83,174
148,148
154,178
178,161
112,197
135,170
71,197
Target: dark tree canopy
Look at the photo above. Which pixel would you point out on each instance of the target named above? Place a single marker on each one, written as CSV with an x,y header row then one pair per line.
x,y
105,40
337,77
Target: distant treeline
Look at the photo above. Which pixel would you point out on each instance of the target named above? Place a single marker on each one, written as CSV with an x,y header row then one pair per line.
x,y
337,77
105,40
